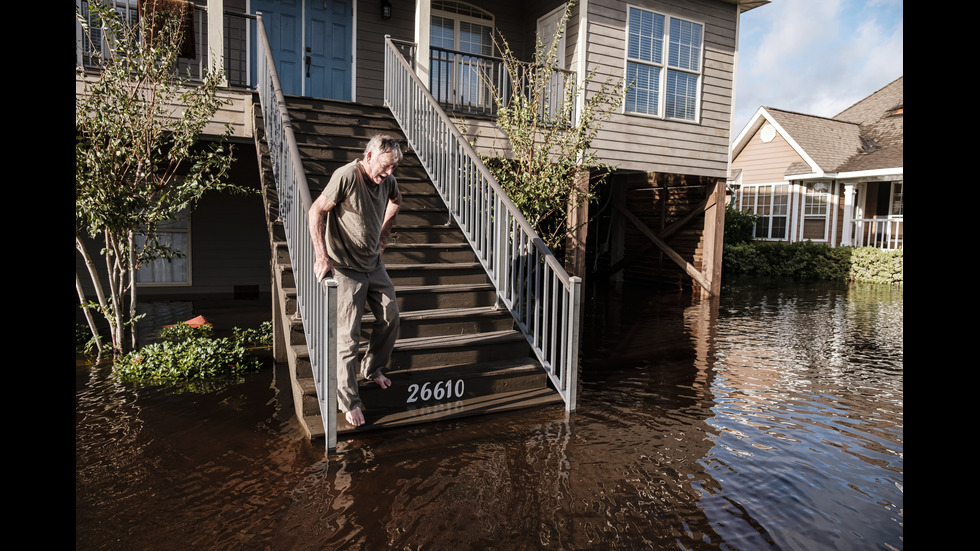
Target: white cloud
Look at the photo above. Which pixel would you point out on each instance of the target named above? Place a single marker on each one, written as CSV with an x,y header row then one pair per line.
x,y
816,57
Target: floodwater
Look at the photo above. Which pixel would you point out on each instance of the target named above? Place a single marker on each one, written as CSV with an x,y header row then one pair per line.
x,y
772,419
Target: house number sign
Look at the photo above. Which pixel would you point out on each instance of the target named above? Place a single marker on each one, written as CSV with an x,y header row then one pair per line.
x,y
442,390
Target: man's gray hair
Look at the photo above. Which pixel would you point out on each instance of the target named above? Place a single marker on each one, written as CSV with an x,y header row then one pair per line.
x,y
383,144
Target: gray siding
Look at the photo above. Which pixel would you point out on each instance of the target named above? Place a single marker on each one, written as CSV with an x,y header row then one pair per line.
x,y
635,142
229,241
627,141
369,44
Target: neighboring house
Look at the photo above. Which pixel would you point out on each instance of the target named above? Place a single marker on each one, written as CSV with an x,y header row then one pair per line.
x,y
835,180
672,131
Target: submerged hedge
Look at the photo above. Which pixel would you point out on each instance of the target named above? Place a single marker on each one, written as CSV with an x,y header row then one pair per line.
x,y
809,261
187,354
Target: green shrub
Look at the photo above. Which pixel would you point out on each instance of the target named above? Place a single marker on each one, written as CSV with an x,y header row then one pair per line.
x,y
182,331
739,226
188,354
255,338
807,261
189,359
877,266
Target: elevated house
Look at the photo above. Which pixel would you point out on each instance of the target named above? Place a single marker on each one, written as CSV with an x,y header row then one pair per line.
x,y
490,318
834,180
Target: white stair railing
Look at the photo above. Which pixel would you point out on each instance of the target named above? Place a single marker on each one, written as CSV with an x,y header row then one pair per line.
x,y
316,300
544,300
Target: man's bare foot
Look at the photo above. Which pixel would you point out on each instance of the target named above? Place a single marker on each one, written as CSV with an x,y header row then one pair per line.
x,y
383,382
355,417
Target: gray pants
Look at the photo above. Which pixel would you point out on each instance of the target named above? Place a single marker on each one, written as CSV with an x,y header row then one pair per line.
x,y
355,290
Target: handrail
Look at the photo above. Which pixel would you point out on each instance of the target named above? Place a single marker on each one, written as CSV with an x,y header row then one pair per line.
x,y
881,233
531,283
464,83
316,300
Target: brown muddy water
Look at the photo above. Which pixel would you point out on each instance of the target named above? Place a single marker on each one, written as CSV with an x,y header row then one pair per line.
x,y
773,419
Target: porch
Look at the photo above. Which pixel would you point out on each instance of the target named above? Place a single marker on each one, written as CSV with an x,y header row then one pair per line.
x,y
463,82
878,211
838,213
880,233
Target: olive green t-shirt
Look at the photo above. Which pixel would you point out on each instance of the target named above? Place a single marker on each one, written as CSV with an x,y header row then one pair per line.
x,y
354,223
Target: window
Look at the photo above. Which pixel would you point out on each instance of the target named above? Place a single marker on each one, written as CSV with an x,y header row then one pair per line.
x,y
663,65
176,236
816,209
128,14
457,29
771,204
897,202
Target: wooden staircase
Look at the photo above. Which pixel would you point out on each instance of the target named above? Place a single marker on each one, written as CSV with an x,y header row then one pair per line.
x,y
457,354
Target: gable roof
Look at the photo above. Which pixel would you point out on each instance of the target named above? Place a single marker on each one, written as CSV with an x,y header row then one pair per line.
x,y
880,117
866,137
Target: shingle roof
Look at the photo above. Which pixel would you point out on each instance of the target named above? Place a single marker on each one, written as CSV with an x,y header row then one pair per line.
x,y
881,120
866,136
828,142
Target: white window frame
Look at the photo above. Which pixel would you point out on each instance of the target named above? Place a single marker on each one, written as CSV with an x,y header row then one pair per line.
x,y
898,185
182,227
812,199
459,18
128,13
771,204
663,67
476,92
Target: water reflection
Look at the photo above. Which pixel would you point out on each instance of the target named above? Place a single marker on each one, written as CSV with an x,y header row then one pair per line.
x,y
771,418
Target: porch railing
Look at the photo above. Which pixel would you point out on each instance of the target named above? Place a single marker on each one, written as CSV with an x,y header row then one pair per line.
x,y
883,233
530,282
465,83
316,300
238,27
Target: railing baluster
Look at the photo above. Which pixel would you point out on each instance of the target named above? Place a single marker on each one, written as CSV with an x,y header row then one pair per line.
x,y
882,233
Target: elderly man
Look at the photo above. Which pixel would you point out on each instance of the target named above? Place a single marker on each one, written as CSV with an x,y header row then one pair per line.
x,y
362,199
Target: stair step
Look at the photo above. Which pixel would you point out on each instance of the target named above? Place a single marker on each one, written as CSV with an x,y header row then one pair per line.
x,y
426,395
399,252
481,405
451,321
415,200
414,181
453,389
446,233
447,350
433,297
436,274
423,216
318,177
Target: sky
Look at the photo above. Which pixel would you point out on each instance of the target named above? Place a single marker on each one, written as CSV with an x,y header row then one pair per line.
x,y
816,57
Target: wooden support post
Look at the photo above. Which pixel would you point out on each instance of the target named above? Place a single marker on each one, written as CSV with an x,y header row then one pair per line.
x,y
714,240
578,226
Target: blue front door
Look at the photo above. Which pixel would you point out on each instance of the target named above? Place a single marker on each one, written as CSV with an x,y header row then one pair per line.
x,y
311,44
328,47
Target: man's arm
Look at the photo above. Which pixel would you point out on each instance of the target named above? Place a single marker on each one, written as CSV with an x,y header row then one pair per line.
x,y
390,211
317,221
